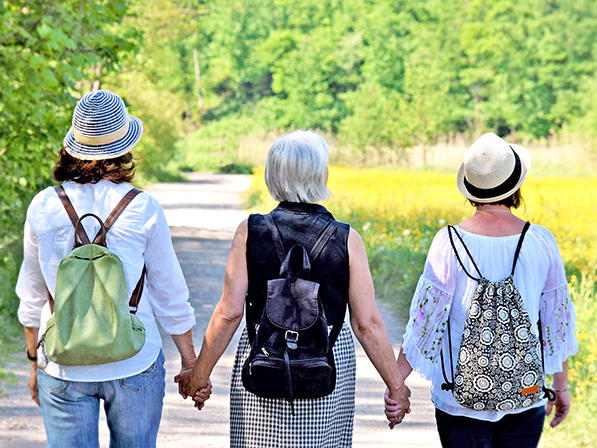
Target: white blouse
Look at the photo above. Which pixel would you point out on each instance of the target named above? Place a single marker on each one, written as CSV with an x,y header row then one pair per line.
x,y
444,290
139,235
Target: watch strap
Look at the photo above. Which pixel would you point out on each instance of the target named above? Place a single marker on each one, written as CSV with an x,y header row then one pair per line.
x,y
30,357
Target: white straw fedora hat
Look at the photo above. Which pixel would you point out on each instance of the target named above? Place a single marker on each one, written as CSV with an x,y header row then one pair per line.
x,y
102,128
492,169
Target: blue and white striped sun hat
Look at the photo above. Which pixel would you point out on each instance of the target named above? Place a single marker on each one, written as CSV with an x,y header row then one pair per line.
x,y
102,128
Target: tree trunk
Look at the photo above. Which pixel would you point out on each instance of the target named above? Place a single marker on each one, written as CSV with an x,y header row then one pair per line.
x,y
97,83
198,80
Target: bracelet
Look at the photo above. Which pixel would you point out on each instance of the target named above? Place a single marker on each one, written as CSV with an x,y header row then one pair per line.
x,y
560,391
30,357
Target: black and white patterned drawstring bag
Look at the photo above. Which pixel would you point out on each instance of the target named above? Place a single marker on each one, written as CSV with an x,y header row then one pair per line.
x,y
500,363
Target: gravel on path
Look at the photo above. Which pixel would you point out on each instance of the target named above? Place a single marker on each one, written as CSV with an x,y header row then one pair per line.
x,y
203,214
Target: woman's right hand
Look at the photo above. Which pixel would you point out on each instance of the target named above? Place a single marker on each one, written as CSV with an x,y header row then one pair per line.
x,y
562,405
397,405
202,395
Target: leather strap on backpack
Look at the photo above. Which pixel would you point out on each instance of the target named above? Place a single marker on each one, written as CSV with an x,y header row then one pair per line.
x,y
72,214
318,247
277,239
107,225
126,200
118,210
136,296
323,240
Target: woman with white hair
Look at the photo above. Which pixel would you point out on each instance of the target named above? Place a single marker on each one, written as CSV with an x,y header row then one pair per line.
x,y
296,175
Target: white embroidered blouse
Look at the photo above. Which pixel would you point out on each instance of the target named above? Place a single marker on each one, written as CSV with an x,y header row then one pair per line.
x,y
444,290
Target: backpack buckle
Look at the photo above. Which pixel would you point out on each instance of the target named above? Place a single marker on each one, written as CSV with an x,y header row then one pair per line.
x,y
133,309
291,339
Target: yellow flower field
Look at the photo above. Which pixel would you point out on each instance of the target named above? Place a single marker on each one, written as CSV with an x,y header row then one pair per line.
x,y
397,212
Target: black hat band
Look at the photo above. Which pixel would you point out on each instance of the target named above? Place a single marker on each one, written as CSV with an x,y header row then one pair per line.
x,y
503,188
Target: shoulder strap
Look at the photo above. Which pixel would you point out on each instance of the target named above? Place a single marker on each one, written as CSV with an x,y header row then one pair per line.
x,y
126,200
320,244
118,210
335,332
450,229
136,296
323,239
72,214
517,253
273,228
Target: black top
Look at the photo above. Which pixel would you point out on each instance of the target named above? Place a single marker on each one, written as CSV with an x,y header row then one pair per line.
x,y
298,223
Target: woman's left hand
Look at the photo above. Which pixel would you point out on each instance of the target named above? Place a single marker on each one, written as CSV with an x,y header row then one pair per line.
x,y
33,384
183,379
562,405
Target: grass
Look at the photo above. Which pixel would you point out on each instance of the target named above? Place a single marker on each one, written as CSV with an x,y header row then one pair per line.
x,y
11,333
578,428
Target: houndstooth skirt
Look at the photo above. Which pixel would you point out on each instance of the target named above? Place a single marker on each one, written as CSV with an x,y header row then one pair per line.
x,y
325,422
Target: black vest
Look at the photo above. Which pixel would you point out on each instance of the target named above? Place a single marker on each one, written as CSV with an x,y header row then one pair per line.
x,y
298,223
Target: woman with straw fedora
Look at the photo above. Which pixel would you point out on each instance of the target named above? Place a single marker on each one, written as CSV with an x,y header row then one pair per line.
x,y
96,168
491,314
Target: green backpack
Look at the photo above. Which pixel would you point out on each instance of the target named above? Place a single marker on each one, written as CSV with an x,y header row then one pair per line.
x,y
93,320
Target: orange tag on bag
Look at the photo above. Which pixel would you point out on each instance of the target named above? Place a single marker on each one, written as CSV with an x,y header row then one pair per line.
x,y
530,390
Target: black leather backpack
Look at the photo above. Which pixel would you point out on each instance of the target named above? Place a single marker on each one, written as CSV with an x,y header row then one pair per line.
x,y
291,353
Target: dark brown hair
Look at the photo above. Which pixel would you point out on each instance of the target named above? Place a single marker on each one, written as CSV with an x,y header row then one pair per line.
x,y
117,170
513,201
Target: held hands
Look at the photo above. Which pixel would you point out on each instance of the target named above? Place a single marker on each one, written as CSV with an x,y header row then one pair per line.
x,y
202,395
189,386
562,405
397,405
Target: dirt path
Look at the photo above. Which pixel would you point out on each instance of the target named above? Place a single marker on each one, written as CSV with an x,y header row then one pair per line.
x,y
203,214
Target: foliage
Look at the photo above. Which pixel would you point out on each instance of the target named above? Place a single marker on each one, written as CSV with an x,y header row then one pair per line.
x,y
577,430
45,50
50,52
157,81
212,147
397,214
8,305
394,74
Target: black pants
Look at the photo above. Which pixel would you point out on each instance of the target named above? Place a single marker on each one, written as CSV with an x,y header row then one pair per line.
x,y
521,430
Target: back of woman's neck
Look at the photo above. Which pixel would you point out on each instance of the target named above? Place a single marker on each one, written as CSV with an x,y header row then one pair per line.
x,y
495,220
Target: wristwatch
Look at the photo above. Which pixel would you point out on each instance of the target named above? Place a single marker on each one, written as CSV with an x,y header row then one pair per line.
x,y
29,357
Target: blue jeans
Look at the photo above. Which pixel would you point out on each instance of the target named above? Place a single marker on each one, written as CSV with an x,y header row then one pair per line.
x,y
133,408
521,430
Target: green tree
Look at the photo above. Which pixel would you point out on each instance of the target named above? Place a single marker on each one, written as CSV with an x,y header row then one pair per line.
x,y
46,50
51,52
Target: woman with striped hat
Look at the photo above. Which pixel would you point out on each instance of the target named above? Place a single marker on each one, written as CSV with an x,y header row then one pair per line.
x,y
96,167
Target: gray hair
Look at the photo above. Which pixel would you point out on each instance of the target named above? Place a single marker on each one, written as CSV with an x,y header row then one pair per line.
x,y
296,167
